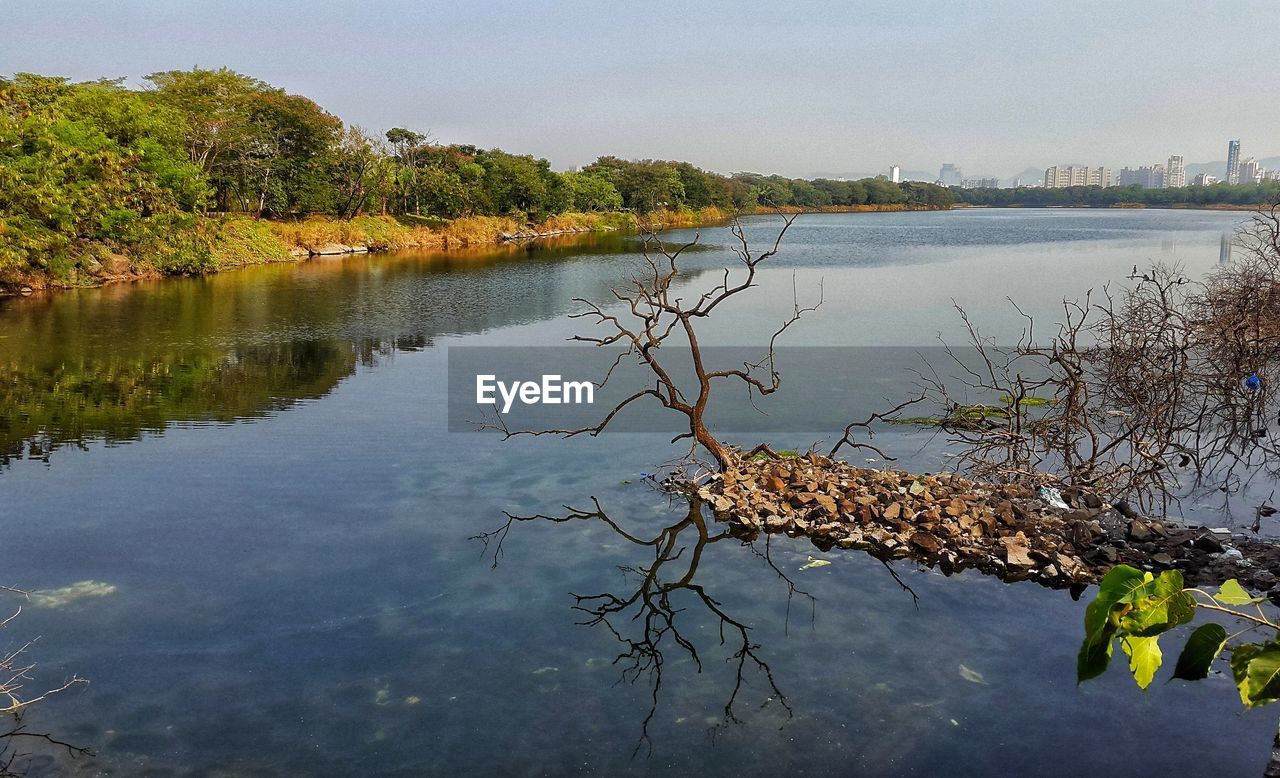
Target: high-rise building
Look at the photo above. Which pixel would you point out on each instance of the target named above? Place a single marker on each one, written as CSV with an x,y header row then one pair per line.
x,y
1204,179
1147,177
1175,175
895,174
1059,177
1249,172
1233,162
949,175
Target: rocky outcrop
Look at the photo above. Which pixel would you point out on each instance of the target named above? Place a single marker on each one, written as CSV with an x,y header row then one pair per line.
x,y
953,523
332,249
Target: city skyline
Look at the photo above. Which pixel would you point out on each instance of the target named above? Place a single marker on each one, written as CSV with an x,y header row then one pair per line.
x,y
1174,171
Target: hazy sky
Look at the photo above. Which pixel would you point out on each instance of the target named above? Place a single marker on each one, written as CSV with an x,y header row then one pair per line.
x,y
791,88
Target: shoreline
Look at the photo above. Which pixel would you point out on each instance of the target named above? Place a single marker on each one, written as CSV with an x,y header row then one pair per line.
x,y
311,239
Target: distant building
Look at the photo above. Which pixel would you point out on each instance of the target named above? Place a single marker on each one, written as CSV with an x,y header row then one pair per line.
x,y
1204,179
1233,162
1060,177
1271,175
1147,177
895,174
1175,175
949,175
980,183
1249,172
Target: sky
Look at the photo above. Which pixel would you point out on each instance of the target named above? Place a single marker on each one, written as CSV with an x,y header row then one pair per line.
x,y
794,88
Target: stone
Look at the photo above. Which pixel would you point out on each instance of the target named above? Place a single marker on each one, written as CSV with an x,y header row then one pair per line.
x,y
1015,551
329,249
1207,542
1139,531
1126,510
926,542
115,265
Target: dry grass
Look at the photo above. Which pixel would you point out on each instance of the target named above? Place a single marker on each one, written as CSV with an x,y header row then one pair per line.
x,y
382,233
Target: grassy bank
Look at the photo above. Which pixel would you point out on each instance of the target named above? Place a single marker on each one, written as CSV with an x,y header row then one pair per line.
x,y
200,245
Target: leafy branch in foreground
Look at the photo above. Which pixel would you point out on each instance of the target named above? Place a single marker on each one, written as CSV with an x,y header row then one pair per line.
x,y
1136,608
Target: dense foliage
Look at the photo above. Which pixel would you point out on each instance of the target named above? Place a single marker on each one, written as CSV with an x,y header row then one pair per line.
x,y
96,173
1097,196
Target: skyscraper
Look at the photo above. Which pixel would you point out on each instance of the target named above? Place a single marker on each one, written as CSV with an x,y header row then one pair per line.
x,y
1175,175
949,175
895,174
1147,177
1233,162
1249,172
1059,177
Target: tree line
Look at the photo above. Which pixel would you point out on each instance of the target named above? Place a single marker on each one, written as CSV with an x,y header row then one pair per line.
x,y
1106,197
98,163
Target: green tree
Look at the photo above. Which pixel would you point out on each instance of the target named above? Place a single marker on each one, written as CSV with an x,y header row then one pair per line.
x,y
592,192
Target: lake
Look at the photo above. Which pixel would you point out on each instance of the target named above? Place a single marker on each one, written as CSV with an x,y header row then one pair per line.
x,y
260,464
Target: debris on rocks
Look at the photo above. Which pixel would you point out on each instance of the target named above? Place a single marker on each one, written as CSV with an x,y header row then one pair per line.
x,y
1065,538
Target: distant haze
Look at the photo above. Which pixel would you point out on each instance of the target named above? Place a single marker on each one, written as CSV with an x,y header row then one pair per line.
x,y
797,88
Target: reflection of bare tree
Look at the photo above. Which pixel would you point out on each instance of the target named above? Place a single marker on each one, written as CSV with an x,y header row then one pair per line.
x,y
654,616
14,761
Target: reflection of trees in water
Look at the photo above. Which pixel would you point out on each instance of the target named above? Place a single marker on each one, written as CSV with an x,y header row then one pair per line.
x,y
658,614
115,363
44,408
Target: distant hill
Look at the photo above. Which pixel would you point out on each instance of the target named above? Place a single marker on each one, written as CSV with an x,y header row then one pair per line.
x,y
1219,169
1027,177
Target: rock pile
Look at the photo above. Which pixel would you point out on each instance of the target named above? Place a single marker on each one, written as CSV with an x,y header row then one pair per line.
x,y
954,523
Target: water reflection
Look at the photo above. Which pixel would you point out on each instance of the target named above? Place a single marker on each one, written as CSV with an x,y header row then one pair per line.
x,y
44,407
663,610
114,364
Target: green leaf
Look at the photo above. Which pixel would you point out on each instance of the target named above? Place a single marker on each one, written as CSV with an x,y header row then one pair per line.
x,y
1232,593
1168,607
1121,585
1198,654
1095,653
1144,658
1256,669
1125,584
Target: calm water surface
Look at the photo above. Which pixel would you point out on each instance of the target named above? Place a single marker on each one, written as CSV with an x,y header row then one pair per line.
x,y
259,463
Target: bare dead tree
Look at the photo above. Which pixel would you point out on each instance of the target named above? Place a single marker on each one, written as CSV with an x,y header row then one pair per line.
x,y
647,314
1139,393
